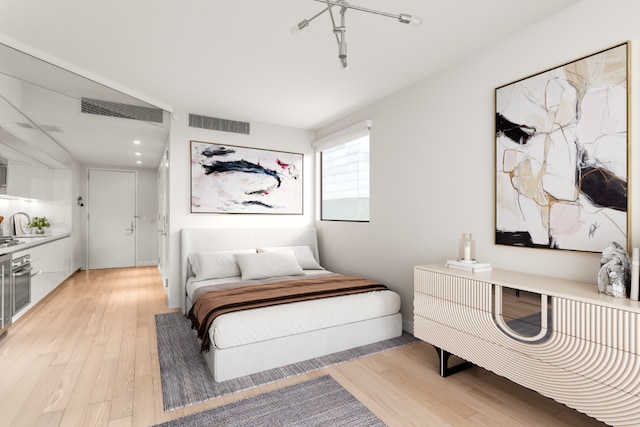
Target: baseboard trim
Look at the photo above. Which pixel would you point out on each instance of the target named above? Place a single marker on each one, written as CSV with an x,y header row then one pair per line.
x,y
146,263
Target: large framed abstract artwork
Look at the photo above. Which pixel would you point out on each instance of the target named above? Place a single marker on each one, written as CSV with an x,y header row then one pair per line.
x,y
562,156
232,179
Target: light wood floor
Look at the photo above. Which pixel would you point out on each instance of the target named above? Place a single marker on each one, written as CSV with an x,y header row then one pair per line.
x,y
87,356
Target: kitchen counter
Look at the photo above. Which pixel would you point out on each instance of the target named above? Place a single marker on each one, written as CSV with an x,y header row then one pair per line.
x,y
31,241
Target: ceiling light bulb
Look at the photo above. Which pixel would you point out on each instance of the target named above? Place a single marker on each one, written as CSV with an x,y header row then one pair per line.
x,y
339,30
296,28
139,162
137,142
342,50
409,19
138,153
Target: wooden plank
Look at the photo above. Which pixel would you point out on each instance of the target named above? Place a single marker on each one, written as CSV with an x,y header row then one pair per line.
x,y
104,369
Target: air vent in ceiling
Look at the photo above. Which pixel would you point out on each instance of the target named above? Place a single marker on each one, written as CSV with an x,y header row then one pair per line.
x,y
125,111
214,123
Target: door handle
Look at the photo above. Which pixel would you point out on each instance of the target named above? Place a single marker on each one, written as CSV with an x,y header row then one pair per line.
x,y
163,231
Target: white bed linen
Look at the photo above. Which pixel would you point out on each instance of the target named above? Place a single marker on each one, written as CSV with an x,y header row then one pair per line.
x,y
193,283
262,324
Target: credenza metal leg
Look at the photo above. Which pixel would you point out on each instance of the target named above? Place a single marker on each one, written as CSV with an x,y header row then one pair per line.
x,y
445,370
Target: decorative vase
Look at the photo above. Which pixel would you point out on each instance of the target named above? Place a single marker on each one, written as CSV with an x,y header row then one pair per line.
x,y
466,248
39,230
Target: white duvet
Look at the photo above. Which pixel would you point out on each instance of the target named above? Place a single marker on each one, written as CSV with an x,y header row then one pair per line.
x,y
261,324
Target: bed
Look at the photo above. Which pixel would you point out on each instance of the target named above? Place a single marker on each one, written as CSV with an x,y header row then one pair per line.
x,y
257,339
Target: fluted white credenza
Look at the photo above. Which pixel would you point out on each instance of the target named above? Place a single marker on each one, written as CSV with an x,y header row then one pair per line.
x,y
584,351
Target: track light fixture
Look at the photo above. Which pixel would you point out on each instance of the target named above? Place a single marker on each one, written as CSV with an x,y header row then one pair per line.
x,y
340,30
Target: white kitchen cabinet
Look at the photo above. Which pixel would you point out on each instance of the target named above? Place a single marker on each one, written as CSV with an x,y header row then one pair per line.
x,y
51,265
55,263
37,286
18,180
41,182
29,180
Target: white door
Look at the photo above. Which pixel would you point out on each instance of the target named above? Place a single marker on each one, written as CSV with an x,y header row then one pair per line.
x,y
111,222
163,217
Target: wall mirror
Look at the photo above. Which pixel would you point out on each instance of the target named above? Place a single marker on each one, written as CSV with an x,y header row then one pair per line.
x,y
50,115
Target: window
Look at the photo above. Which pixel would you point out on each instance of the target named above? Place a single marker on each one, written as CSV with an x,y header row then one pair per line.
x,y
344,178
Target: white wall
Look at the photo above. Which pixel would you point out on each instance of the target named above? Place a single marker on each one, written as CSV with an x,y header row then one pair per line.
x,y
432,158
263,136
77,215
147,217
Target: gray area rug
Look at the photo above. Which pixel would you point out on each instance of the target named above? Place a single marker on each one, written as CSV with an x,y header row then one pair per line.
x,y
529,326
318,402
186,378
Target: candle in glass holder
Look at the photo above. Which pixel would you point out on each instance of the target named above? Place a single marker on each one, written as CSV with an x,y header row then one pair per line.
x,y
466,248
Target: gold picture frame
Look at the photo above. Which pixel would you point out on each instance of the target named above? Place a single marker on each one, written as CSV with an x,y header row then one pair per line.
x,y
563,155
244,180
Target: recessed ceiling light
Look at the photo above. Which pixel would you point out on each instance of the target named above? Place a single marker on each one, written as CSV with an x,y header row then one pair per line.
x,y
138,153
139,162
137,142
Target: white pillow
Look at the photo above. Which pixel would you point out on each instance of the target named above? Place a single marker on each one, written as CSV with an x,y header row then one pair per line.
x,y
303,254
268,264
215,264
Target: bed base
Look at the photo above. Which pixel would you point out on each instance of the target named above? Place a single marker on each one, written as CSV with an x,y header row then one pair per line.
x,y
234,362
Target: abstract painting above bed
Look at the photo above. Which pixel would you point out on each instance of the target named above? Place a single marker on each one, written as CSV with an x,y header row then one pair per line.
x,y
232,179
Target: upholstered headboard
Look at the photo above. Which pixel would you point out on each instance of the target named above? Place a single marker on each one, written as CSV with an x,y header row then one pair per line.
x,y
220,239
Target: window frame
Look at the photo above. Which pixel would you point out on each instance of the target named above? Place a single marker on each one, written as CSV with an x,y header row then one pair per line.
x,y
342,137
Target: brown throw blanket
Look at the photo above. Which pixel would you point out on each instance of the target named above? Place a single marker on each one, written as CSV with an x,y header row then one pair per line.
x,y
212,304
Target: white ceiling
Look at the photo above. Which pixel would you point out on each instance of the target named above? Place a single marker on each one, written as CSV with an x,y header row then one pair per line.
x,y
238,59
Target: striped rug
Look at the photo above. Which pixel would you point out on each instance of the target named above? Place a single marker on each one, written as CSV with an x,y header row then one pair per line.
x,y
318,402
186,378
